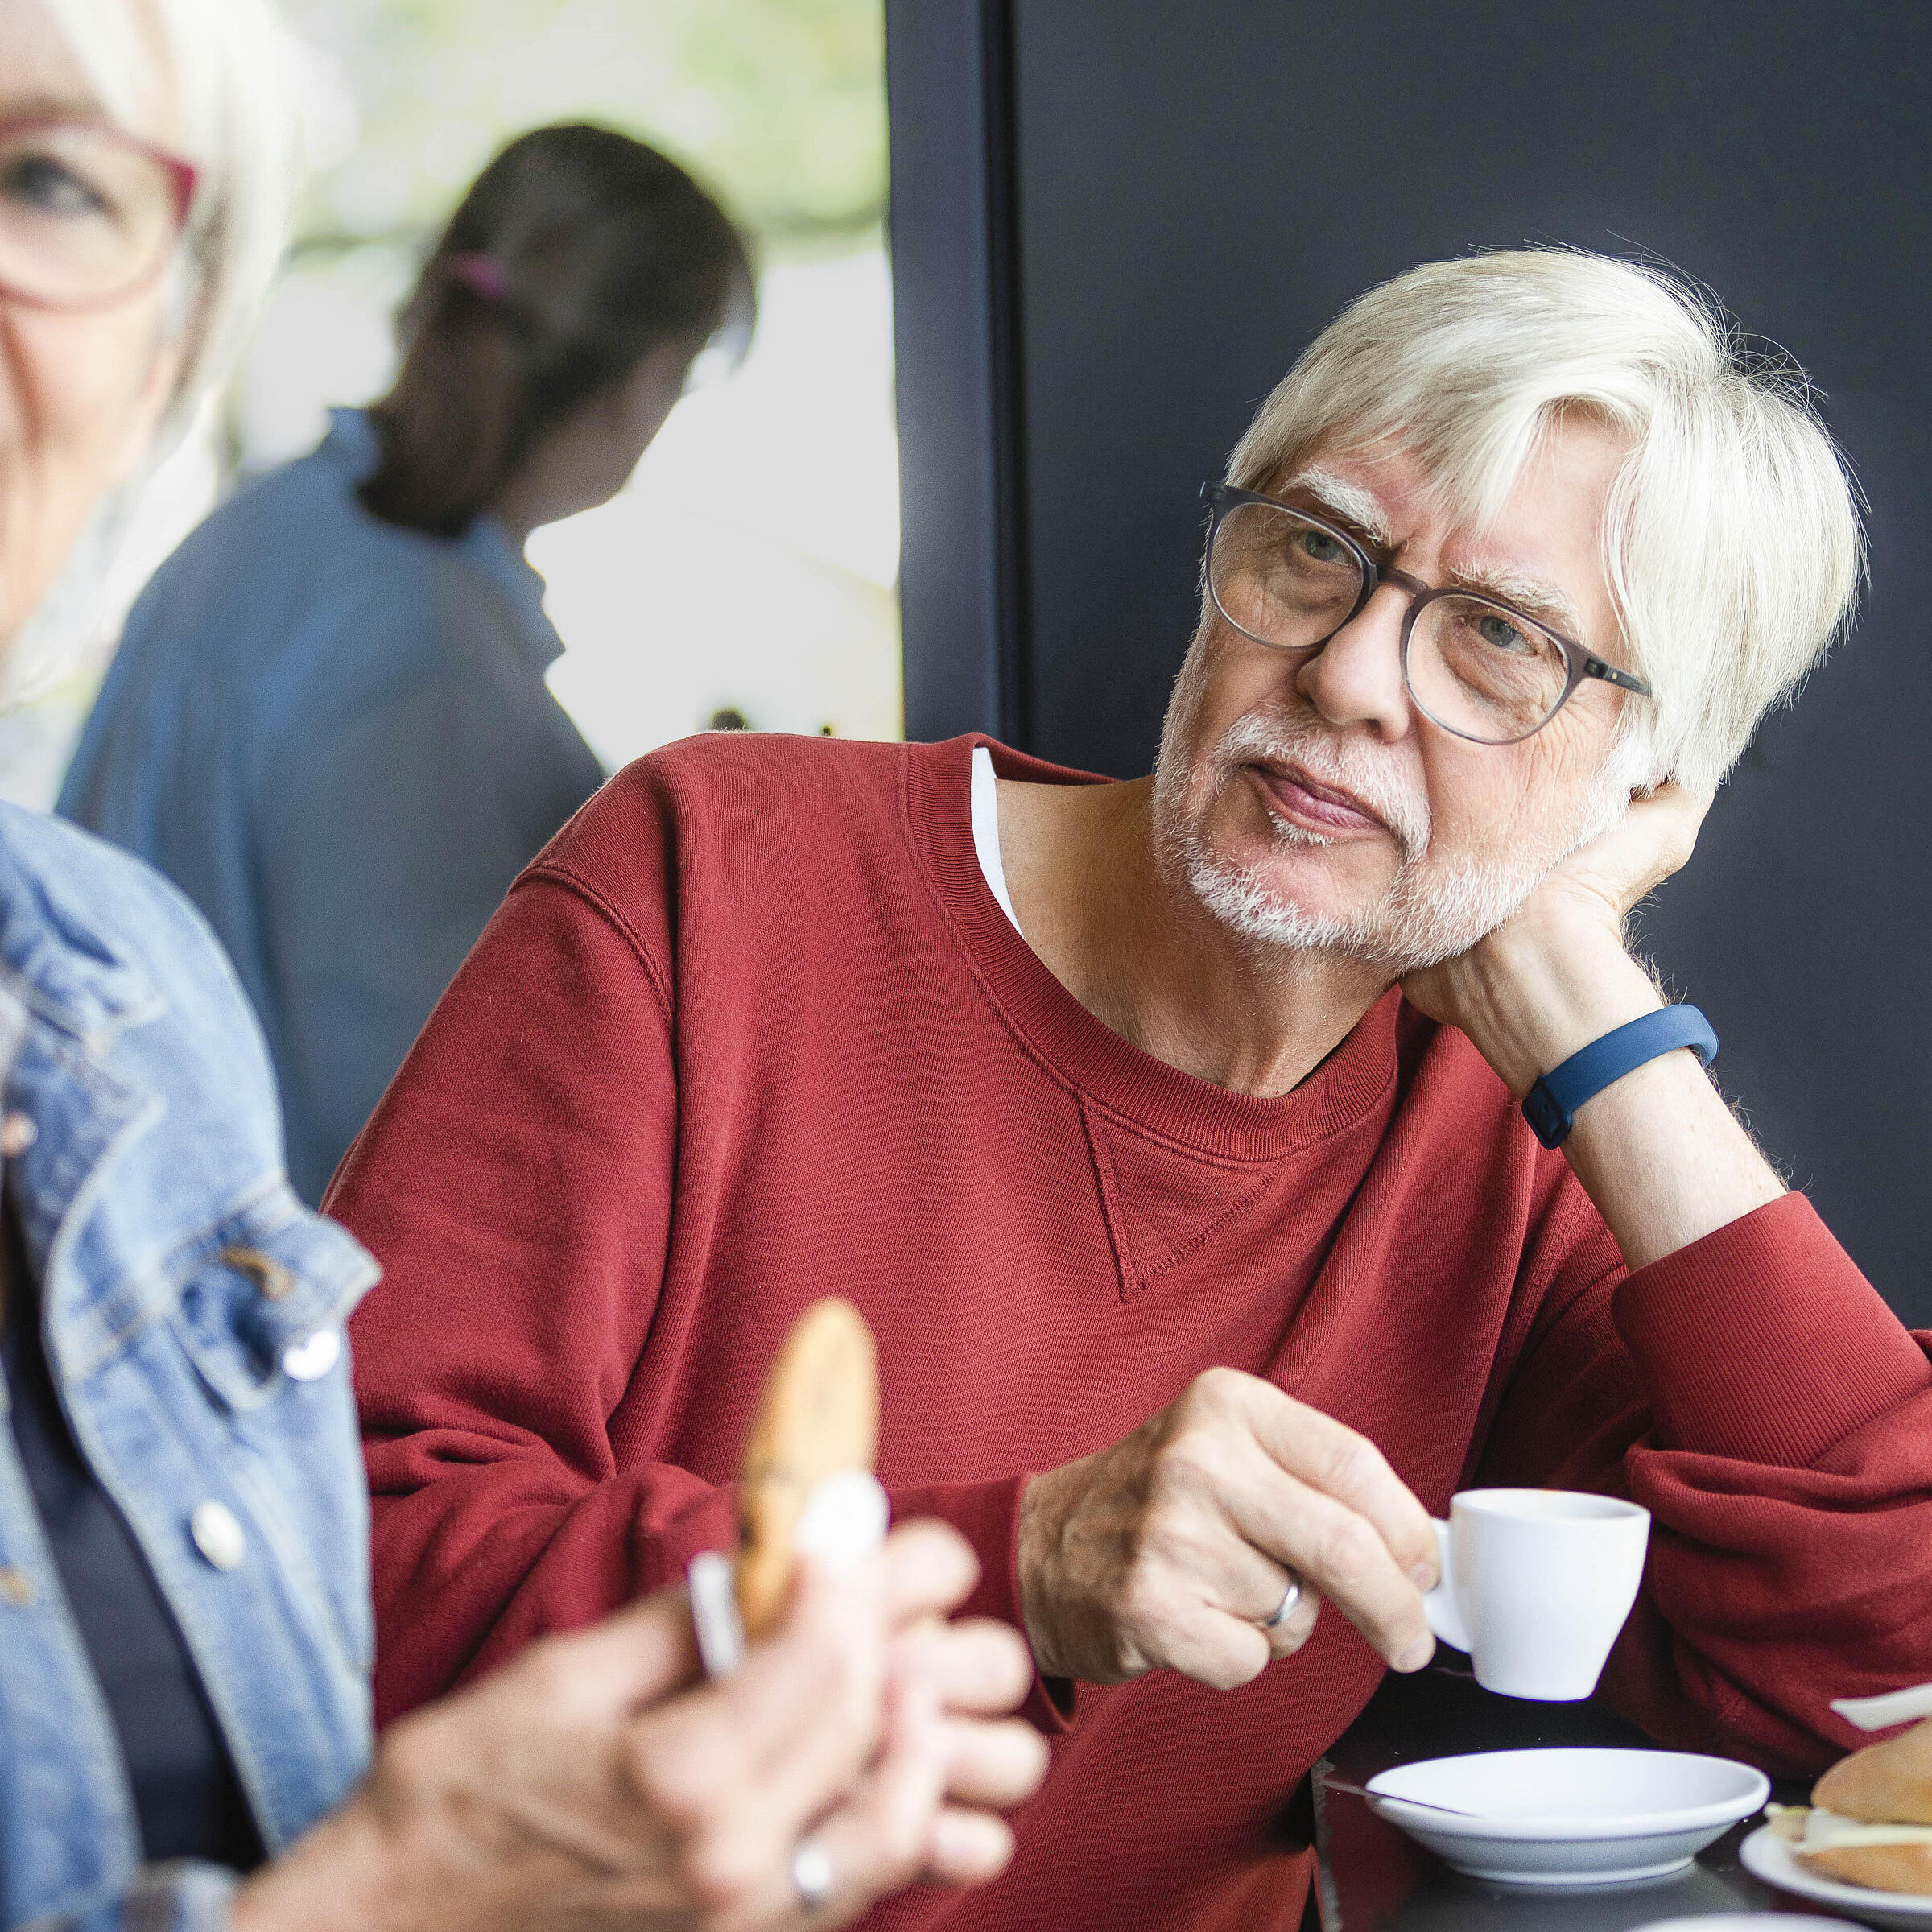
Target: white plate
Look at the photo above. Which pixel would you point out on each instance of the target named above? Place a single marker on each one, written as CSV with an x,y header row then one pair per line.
x,y
1570,1817
1767,1856
1745,1921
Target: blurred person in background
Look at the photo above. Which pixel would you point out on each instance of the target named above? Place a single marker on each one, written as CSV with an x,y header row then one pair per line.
x,y
185,1626
327,721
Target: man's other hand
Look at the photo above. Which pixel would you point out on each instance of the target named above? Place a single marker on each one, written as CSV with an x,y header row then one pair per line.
x,y
1556,976
1171,1549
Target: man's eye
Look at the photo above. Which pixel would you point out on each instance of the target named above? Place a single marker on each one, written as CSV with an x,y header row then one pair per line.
x,y
1499,634
1319,547
40,183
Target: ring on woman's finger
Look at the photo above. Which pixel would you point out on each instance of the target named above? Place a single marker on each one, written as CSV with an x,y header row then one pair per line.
x,y
811,1874
1287,1604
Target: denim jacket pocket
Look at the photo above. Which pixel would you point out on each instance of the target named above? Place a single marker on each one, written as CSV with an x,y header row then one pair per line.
x,y
265,1295
259,1318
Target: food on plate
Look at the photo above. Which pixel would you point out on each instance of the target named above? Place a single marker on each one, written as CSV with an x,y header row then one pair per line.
x,y
818,1418
1870,1819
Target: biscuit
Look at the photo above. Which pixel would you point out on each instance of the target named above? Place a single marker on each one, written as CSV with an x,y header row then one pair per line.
x,y
818,1415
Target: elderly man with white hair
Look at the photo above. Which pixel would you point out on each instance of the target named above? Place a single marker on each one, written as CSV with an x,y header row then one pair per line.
x,y
185,1624
1171,1133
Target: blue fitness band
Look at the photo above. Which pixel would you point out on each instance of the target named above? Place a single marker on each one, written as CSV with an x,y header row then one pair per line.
x,y
1552,1103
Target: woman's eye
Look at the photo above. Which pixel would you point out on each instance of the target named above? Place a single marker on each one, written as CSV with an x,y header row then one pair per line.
x,y
39,182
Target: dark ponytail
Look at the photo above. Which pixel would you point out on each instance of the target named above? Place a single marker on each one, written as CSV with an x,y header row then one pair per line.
x,y
575,253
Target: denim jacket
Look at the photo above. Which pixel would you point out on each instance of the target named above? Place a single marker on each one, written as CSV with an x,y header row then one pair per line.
x,y
192,1310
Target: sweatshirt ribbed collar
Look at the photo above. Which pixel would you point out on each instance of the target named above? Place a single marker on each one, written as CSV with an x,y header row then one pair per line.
x,y
1356,1081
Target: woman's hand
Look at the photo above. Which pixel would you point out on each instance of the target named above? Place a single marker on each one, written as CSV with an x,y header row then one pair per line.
x,y
596,1781
1558,974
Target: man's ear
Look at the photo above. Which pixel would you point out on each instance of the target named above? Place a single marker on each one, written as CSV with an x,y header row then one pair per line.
x,y
150,404
1650,782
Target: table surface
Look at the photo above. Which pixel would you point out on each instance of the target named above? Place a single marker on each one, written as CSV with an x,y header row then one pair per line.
x,y
1375,1879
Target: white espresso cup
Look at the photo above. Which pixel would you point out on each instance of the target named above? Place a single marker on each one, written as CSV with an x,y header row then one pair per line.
x,y
1536,1585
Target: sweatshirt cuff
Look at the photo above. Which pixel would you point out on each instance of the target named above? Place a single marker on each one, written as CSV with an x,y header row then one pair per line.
x,y
988,1516
1762,1343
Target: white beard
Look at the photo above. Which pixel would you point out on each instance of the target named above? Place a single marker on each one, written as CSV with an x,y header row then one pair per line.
x,y
1410,929
1429,912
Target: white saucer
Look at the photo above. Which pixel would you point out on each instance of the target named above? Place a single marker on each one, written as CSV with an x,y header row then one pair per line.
x,y
1767,1856
1570,1817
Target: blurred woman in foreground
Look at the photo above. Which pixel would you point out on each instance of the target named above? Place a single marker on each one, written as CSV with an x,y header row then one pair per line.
x,y
327,722
184,1616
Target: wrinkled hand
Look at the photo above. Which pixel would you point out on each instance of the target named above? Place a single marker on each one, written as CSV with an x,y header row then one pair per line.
x,y
1556,976
1170,1549
1653,840
595,1782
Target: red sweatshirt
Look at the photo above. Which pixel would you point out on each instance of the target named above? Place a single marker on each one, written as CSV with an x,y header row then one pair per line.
x,y
753,1031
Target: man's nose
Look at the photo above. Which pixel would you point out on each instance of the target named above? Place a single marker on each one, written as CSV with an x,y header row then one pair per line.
x,y
1356,677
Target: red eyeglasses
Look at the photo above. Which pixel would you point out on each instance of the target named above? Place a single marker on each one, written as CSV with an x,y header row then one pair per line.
x,y
88,215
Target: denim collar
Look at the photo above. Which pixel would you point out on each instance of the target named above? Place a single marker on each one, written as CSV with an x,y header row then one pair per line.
x,y
62,965
351,444
104,1047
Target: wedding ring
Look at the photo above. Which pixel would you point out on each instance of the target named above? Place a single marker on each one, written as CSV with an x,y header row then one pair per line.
x,y
811,1874
1287,1604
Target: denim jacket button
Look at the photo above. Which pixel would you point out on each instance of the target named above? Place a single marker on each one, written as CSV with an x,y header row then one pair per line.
x,y
18,1133
311,1359
217,1535
16,1587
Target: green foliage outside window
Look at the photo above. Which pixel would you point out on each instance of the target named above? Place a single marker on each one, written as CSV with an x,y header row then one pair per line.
x,y
778,105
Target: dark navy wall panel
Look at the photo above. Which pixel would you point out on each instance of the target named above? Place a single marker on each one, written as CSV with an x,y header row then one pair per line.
x,y
1197,190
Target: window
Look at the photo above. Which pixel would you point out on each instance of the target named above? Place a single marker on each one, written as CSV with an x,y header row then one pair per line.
x,y
748,570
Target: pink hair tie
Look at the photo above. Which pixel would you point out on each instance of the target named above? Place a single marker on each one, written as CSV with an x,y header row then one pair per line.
x,y
481,274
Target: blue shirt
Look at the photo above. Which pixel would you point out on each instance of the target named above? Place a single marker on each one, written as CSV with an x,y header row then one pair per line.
x,y
334,735
190,1316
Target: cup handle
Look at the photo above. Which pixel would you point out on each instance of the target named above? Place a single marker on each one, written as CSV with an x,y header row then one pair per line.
x,y
1439,1605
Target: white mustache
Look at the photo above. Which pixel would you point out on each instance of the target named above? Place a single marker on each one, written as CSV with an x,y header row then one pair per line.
x,y
1347,764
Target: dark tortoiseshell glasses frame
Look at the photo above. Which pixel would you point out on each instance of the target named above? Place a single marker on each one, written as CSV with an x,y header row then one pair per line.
x,y
1582,664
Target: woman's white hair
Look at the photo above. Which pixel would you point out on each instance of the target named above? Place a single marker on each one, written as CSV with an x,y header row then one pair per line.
x,y
233,65
1732,539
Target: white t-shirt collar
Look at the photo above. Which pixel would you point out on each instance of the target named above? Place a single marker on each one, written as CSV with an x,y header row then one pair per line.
x,y
986,831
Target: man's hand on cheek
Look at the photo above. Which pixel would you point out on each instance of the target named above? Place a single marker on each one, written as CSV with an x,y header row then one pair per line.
x,y
1557,975
1171,1549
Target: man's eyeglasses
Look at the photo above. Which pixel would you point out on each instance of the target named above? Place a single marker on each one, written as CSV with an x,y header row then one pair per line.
x,y
87,214
1477,667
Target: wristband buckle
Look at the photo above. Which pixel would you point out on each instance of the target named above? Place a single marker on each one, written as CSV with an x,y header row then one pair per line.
x,y
1550,1105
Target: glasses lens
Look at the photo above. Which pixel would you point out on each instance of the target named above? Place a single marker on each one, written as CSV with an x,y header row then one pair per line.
x,y
1484,671
83,215
1283,580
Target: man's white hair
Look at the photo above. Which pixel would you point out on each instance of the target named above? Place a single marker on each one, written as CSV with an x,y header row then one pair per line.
x,y
1733,546
234,66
